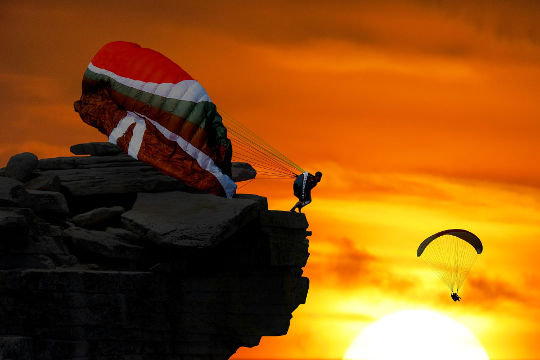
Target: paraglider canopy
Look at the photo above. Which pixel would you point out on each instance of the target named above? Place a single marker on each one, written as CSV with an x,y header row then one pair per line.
x,y
157,113
462,234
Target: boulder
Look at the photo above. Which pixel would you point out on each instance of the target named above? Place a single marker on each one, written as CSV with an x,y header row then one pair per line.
x,y
124,235
12,191
95,148
14,226
113,179
86,162
21,166
242,171
57,163
100,243
178,219
46,202
48,182
99,217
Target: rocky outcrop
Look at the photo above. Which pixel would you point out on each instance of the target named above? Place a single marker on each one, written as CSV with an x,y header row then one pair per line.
x,y
102,257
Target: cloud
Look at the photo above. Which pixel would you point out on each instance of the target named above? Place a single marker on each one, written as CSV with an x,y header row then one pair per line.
x,y
350,268
445,27
489,292
340,316
37,115
507,20
338,56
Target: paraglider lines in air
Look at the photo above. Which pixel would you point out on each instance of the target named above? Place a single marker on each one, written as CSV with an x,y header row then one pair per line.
x,y
248,146
260,142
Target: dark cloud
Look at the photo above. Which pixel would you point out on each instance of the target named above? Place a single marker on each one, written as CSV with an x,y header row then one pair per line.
x,y
350,264
351,268
489,292
440,27
507,20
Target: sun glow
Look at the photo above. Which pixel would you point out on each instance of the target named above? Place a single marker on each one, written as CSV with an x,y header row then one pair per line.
x,y
418,335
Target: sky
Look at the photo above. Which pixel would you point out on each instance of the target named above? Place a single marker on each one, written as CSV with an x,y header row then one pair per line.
x,y
422,115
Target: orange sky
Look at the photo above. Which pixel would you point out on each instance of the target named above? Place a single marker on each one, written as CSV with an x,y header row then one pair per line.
x,y
422,115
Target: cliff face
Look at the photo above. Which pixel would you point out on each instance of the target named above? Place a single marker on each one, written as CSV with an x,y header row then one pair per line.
x,y
102,257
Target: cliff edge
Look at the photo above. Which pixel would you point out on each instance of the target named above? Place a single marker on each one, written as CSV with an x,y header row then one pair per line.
x,y
103,257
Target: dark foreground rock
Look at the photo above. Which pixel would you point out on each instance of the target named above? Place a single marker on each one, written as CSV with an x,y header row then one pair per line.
x,y
96,148
102,257
179,219
21,166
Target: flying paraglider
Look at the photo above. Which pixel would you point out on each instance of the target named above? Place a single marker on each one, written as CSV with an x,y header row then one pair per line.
x,y
157,113
451,254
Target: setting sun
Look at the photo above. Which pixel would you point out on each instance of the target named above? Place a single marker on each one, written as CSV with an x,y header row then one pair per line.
x,y
418,335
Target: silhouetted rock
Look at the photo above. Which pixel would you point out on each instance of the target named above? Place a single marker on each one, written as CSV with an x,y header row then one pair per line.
x,y
100,243
46,202
95,148
14,226
11,191
118,177
242,171
21,166
287,235
124,235
16,348
44,182
178,275
179,219
99,217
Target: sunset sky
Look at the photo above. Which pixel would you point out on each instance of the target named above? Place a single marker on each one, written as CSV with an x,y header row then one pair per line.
x,y
422,115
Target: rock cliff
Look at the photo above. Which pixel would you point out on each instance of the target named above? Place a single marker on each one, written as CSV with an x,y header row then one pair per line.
x,y
103,257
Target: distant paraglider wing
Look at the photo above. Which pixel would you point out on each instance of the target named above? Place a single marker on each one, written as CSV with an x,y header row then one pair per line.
x,y
462,234
157,113
451,254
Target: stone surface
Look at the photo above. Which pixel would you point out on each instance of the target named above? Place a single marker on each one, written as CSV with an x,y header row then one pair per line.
x,y
16,348
242,171
12,191
137,177
124,235
260,200
99,217
95,148
87,162
285,219
14,226
179,219
21,166
49,182
73,314
46,202
101,243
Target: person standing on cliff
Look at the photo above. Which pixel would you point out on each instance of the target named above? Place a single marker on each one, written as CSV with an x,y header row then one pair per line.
x,y
302,188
